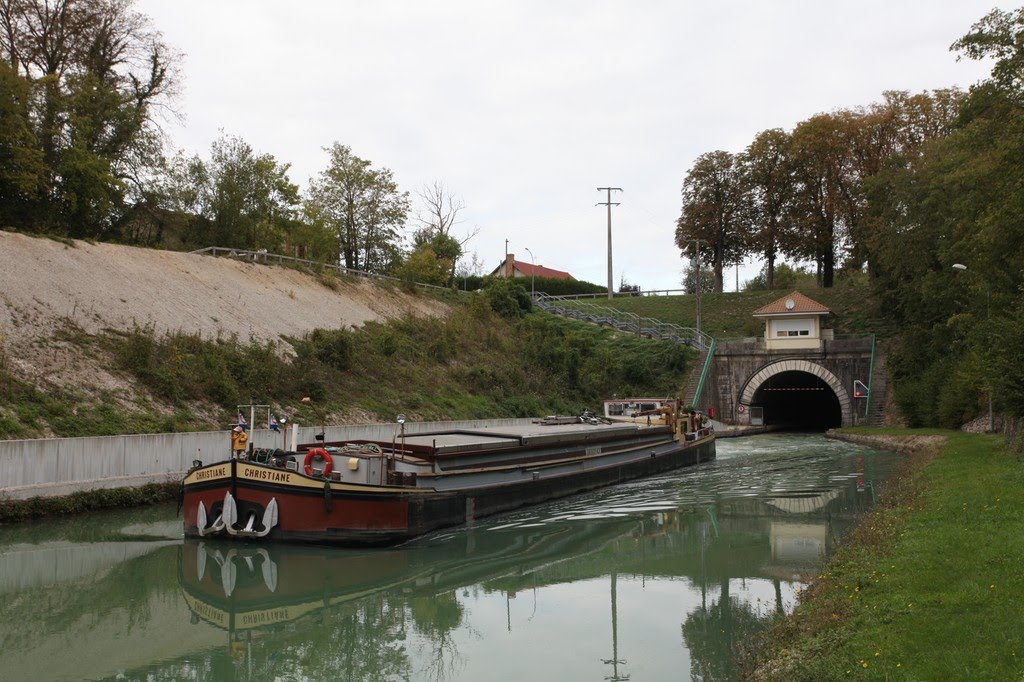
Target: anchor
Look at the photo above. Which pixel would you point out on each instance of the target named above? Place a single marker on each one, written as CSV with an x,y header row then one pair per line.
x,y
214,528
230,516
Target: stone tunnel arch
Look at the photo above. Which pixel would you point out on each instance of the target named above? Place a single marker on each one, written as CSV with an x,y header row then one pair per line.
x,y
762,376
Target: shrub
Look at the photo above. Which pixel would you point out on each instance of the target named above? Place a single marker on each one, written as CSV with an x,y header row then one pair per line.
x,y
332,347
508,297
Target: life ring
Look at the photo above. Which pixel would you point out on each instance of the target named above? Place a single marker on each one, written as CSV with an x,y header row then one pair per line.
x,y
322,454
741,409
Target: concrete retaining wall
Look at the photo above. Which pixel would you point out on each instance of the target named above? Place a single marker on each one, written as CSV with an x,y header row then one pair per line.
x,y
60,466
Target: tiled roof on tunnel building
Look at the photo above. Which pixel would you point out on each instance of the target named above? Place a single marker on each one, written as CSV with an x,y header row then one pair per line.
x,y
793,303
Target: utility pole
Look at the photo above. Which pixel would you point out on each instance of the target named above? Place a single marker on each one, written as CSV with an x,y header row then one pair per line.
x,y
699,284
609,203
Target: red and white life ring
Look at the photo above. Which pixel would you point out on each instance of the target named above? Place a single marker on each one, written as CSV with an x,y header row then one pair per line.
x,y
322,454
741,409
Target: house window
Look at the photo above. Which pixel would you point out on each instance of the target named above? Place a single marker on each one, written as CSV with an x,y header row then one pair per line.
x,y
782,333
804,332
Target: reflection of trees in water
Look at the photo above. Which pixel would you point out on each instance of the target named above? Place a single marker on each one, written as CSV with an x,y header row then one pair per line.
x,y
362,640
126,589
714,634
366,642
436,618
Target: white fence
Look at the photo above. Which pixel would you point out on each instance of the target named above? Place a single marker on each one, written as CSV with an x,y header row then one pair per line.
x,y
60,466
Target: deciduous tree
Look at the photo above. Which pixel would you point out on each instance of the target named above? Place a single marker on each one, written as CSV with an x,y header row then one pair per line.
x,y
99,74
245,198
713,211
363,207
821,166
767,174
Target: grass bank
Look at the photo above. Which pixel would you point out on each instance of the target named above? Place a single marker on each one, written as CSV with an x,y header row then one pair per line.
x,y
928,586
472,364
729,314
87,501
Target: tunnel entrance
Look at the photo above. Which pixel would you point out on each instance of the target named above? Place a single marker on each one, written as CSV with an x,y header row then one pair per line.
x,y
798,400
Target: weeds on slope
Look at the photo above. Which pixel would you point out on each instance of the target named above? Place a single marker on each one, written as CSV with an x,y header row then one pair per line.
x,y
472,364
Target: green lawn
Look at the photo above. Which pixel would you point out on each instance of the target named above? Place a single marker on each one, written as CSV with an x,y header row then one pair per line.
x,y
929,587
729,315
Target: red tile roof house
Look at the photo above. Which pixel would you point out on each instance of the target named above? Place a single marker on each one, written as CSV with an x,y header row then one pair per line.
x,y
793,321
510,267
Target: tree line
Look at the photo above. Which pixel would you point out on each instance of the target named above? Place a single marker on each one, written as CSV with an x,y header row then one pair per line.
x,y
959,202
923,195
802,194
86,87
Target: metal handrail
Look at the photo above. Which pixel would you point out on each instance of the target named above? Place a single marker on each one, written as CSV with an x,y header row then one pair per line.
x,y
704,373
620,319
265,257
871,376
624,294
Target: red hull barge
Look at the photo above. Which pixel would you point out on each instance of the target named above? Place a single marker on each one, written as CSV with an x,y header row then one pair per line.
x,y
375,493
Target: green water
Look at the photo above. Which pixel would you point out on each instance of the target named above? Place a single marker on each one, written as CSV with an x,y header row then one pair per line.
x,y
659,579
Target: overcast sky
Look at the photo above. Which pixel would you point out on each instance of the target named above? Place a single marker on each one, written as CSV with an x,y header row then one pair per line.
x,y
524,108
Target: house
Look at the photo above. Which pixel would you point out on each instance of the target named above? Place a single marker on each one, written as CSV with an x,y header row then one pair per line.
x,y
510,267
793,321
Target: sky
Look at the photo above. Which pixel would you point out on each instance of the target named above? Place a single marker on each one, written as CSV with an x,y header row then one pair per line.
x,y
524,108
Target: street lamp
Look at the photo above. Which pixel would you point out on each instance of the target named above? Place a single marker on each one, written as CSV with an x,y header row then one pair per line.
x,y
960,267
533,270
309,401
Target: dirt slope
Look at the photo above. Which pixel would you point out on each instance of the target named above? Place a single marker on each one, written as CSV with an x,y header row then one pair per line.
x,y
48,287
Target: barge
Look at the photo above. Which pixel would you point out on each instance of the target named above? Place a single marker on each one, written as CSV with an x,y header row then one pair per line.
x,y
375,493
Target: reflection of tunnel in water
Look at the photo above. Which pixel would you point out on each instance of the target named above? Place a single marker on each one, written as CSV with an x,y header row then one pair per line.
x,y
799,400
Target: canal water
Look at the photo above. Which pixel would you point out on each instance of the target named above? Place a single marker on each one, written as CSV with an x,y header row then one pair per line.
x,y
658,579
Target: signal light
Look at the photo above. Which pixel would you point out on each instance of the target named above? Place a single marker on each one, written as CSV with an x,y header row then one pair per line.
x,y
859,389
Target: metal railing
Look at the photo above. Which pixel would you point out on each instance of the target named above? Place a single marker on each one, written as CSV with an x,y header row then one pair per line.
x,y
623,294
871,376
267,258
704,372
623,321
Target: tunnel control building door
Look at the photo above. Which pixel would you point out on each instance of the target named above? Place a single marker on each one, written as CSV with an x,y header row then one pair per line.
x,y
756,415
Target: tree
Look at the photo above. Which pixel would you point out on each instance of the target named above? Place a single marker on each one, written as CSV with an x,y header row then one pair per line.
x,y
98,75
713,211
821,163
425,267
446,249
439,213
707,279
363,207
891,133
440,208
999,35
958,200
245,198
21,162
787,277
768,181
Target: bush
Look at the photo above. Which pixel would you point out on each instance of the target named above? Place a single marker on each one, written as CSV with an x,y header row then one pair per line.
x,y
507,297
332,347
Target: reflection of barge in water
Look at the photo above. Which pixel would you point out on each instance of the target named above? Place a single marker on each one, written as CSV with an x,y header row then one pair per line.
x,y
380,493
254,587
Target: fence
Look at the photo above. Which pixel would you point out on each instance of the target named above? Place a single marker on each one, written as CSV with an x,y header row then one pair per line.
x,y
623,321
265,257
